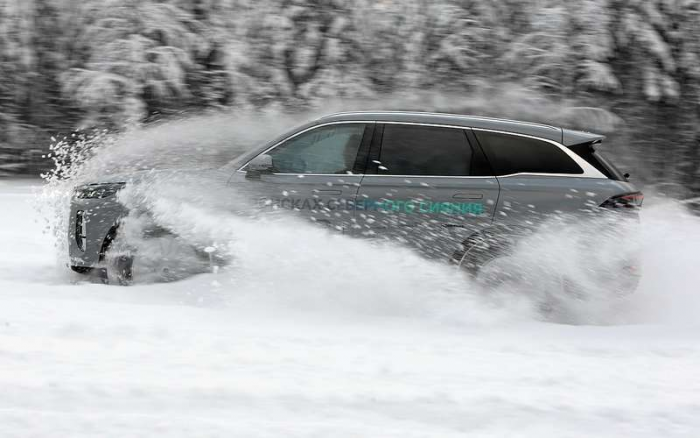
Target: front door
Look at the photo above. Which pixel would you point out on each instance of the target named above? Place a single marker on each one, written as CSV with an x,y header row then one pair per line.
x,y
315,174
428,186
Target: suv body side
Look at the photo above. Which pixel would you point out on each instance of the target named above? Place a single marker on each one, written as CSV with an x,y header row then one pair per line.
x,y
438,211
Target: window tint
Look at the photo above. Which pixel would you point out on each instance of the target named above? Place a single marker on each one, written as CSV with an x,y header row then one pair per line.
x,y
424,150
513,154
328,149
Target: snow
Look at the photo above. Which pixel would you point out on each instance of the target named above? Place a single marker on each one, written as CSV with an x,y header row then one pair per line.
x,y
250,352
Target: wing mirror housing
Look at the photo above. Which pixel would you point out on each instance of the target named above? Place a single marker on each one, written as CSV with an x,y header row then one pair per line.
x,y
262,164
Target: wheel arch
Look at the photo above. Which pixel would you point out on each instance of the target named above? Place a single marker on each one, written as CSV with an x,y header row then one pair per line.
x,y
485,244
107,241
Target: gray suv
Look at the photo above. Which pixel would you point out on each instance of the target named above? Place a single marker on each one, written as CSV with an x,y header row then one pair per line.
x,y
455,187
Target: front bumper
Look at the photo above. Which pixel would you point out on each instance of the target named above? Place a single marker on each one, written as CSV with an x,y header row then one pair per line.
x,y
86,239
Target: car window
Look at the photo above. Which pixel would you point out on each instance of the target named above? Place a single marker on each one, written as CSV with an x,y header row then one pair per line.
x,y
424,150
510,154
328,149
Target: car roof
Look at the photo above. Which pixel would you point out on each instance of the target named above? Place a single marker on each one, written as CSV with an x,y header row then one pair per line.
x,y
564,136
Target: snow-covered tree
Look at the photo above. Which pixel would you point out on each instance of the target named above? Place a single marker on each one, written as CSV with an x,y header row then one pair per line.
x,y
16,63
31,59
295,51
133,60
104,62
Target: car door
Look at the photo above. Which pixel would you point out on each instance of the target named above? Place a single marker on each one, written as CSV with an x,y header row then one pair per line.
x,y
315,173
429,186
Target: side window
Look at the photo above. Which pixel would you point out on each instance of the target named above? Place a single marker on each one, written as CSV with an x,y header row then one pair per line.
x,y
424,150
328,149
510,154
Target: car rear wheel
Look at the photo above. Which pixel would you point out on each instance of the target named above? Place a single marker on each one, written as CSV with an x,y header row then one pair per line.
x,y
480,250
490,262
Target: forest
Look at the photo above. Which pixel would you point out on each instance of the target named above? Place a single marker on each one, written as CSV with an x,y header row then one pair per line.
x,y
629,69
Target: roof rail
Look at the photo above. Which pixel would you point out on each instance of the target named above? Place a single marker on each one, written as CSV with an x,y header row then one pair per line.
x,y
428,113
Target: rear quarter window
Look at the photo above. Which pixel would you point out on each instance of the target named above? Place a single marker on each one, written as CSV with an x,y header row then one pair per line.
x,y
509,154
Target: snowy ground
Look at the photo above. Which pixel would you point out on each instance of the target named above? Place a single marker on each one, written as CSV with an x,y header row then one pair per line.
x,y
295,358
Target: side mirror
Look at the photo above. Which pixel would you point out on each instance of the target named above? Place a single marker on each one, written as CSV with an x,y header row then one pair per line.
x,y
259,165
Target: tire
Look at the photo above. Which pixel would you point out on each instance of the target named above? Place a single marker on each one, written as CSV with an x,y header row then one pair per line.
x,y
157,257
82,270
119,269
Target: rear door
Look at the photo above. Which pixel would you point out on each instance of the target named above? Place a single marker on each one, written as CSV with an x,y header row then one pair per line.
x,y
427,185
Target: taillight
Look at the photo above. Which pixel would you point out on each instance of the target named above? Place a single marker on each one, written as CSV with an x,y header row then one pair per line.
x,y
628,200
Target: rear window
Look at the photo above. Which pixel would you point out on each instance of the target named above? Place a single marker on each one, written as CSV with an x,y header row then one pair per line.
x,y
424,150
509,154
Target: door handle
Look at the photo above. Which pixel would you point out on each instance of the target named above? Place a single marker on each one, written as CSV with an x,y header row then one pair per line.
x,y
328,192
464,195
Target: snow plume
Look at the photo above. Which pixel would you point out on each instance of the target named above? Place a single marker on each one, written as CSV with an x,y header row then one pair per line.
x,y
668,292
577,273
571,273
274,261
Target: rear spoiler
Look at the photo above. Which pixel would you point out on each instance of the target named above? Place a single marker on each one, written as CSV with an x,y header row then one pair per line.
x,y
573,138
